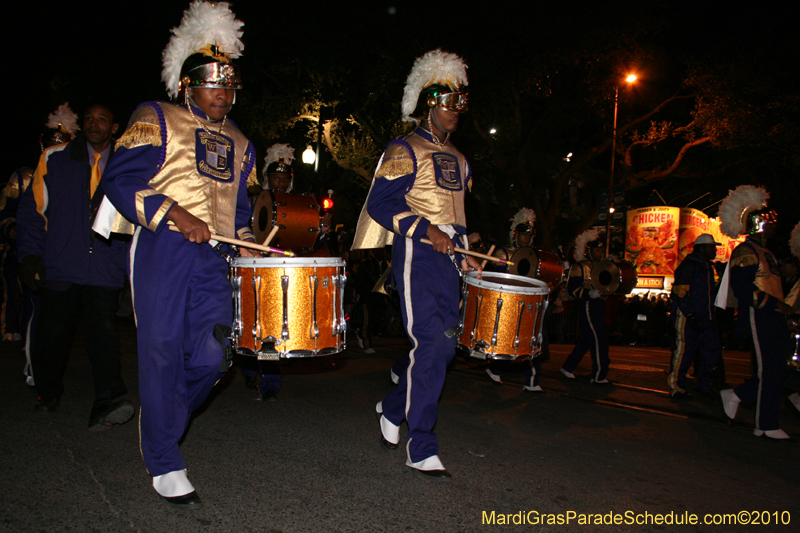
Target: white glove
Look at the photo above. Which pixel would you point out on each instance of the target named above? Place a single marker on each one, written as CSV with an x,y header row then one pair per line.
x,y
594,293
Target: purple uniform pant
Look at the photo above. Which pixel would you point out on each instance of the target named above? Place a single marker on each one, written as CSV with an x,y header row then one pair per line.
x,y
428,285
181,296
764,388
593,339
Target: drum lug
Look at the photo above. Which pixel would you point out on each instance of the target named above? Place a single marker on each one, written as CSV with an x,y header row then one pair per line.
x,y
534,338
257,321
314,327
285,289
342,321
334,289
463,314
478,302
520,311
497,321
238,326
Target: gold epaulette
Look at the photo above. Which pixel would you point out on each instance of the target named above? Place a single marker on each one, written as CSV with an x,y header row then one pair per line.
x,y
396,162
143,129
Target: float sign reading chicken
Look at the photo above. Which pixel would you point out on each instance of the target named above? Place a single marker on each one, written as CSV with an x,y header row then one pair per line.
x,y
651,245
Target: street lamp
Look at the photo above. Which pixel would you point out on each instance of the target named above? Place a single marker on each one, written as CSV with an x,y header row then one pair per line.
x,y
309,157
630,79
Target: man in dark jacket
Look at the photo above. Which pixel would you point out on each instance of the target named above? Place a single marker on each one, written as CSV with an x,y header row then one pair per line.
x,y
69,265
694,318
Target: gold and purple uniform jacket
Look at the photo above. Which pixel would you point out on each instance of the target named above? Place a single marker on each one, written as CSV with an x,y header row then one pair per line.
x,y
417,183
167,157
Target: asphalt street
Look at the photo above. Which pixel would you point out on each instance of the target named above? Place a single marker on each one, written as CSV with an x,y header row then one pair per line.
x,y
311,461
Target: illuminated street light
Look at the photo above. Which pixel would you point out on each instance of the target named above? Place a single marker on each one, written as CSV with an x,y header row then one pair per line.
x,y
630,79
309,157
493,131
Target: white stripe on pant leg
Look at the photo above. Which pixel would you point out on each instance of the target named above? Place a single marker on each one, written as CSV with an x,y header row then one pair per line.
x,y
759,365
410,316
596,343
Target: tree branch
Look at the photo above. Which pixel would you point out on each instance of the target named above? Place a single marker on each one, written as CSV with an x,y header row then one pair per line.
x,y
649,176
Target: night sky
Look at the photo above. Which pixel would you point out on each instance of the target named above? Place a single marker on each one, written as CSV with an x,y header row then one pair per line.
x,y
85,52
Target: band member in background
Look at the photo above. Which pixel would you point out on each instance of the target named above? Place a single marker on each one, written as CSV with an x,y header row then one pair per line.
x,y
418,192
694,318
60,128
591,306
172,159
754,277
520,236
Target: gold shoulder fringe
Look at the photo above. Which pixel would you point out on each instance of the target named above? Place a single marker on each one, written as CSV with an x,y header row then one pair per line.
x,y
140,134
395,167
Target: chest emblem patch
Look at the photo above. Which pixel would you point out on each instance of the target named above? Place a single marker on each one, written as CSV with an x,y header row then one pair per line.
x,y
447,172
214,153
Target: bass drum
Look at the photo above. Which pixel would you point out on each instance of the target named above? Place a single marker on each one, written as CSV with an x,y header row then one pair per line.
x,y
536,264
295,215
614,276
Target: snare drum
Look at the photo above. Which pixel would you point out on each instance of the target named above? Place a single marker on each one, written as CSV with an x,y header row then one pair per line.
x,y
614,276
288,307
539,265
296,215
502,315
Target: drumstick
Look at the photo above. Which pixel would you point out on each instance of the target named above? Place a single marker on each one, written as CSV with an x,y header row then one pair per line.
x,y
475,254
483,264
270,236
246,244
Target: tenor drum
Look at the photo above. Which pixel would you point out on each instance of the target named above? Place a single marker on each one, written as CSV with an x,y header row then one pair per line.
x,y
614,276
295,215
502,315
539,265
288,307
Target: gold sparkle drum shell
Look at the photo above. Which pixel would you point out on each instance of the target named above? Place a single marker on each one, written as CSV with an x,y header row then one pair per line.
x,y
614,276
539,265
502,315
288,307
295,215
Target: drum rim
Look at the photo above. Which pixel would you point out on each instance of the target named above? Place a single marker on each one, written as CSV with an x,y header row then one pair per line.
x,y
280,262
471,278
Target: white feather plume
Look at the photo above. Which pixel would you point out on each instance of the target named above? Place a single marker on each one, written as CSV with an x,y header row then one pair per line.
x,y
523,216
276,152
794,241
436,66
204,23
66,117
735,207
583,239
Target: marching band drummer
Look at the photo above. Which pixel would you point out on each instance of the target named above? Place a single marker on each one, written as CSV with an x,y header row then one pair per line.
x,y
521,236
189,165
418,192
754,278
592,309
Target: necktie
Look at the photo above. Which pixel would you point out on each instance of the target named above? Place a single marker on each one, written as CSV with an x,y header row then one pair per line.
x,y
95,180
